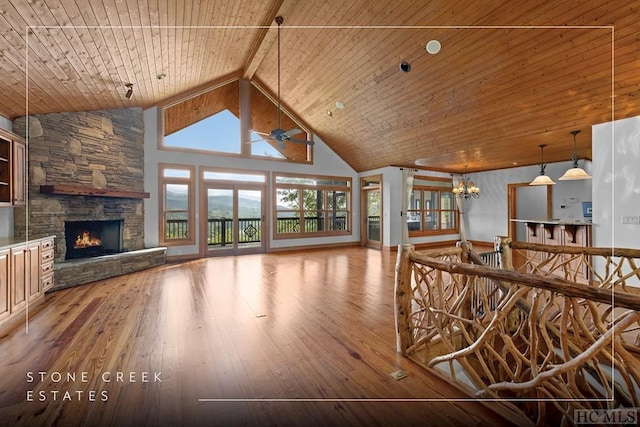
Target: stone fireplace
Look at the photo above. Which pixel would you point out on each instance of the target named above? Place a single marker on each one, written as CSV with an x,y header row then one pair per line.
x,y
86,166
86,239
101,149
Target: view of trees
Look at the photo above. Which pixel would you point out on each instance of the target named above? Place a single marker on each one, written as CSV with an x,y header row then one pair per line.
x,y
300,209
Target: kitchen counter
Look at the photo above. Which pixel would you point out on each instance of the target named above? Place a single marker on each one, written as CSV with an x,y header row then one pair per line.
x,y
10,242
558,232
554,221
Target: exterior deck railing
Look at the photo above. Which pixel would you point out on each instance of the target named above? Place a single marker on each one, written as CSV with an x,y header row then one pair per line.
x,y
220,230
543,345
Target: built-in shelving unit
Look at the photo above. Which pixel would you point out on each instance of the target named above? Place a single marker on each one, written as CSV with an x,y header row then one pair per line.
x,y
5,170
13,156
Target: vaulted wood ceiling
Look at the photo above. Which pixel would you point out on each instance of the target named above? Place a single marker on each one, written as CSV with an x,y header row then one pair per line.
x,y
511,75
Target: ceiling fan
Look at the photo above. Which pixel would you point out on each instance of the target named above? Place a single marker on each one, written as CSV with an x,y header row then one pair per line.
x,y
278,134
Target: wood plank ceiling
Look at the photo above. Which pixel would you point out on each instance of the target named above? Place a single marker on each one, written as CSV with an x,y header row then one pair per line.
x,y
510,75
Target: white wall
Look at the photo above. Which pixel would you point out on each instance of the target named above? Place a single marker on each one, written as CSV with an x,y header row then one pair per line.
x,y
616,186
325,162
6,124
6,214
487,215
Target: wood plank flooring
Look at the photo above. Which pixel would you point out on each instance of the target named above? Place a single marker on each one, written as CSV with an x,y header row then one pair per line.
x,y
300,338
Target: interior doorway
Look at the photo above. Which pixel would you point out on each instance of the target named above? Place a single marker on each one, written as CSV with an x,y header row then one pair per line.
x,y
527,202
371,211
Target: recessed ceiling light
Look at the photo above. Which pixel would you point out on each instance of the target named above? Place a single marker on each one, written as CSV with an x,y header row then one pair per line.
x,y
339,105
433,47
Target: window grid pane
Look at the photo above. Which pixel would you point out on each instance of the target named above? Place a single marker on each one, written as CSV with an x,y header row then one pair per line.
x,y
431,210
316,209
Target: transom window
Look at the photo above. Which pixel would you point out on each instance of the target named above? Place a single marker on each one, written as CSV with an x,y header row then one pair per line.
x,y
432,208
311,205
259,177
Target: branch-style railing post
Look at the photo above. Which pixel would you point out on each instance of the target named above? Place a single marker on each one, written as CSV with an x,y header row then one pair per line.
x,y
506,254
465,310
402,295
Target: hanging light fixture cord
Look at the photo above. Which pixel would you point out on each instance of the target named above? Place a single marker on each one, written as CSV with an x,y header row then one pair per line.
x,y
575,152
279,21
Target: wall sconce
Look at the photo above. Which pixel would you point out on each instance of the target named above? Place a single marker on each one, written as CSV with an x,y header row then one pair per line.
x,y
129,93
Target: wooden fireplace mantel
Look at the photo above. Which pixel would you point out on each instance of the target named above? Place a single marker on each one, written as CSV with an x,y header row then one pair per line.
x,y
79,190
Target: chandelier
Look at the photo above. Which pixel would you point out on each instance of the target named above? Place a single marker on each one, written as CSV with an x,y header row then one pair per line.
x,y
466,188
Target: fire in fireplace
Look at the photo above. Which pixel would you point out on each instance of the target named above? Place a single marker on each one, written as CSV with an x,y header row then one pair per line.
x,y
86,240
93,238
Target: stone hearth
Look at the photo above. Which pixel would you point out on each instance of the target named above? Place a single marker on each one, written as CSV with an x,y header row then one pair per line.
x,y
79,272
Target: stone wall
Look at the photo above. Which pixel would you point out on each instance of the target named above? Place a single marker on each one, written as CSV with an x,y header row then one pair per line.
x,y
100,149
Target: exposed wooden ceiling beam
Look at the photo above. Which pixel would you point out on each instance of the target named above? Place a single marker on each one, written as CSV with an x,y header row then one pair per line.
x,y
266,38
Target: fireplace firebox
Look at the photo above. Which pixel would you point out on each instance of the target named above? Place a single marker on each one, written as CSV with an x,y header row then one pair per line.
x,y
87,239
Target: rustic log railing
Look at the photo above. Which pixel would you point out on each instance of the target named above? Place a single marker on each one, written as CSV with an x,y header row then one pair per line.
x,y
542,345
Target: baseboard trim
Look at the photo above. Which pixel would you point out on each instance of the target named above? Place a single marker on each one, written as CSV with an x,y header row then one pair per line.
x,y
443,243
312,247
425,245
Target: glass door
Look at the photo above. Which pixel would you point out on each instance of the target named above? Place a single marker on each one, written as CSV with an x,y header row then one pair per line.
x,y
371,197
234,219
250,219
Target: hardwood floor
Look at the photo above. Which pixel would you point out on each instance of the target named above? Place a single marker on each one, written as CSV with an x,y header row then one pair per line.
x,y
301,338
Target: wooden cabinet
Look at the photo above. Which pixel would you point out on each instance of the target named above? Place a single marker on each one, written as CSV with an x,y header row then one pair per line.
x,y
26,273
535,234
18,280
578,236
13,164
19,167
33,270
46,256
572,235
6,173
5,296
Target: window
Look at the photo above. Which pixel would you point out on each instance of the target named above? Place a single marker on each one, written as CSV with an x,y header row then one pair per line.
x,y
219,133
210,122
177,204
311,206
432,208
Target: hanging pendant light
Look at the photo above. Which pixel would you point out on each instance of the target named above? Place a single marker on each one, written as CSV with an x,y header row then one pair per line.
x,y
466,188
542,179
575,172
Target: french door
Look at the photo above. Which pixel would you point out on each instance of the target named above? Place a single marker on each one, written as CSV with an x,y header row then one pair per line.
x,y
233,219
371,197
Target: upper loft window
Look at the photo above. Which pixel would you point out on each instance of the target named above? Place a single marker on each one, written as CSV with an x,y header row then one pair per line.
x,y
219,132
210,122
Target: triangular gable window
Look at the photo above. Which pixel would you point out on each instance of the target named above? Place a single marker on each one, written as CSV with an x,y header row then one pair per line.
x,y
210,122
220,132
